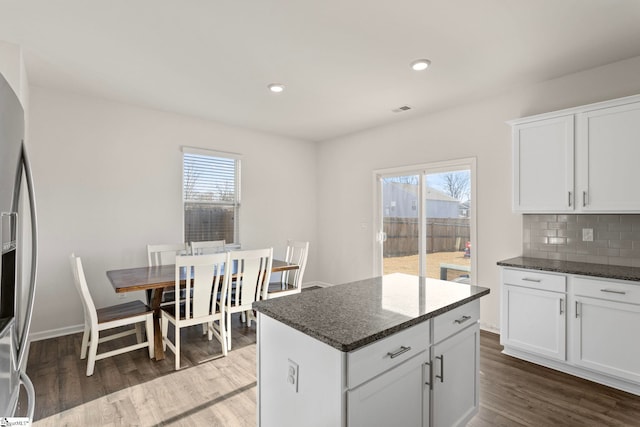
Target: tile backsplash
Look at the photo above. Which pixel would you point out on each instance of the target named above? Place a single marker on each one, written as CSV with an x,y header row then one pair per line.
x,y
616,238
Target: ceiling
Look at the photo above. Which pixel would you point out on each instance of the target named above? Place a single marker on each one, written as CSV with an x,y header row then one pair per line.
x,y
345,63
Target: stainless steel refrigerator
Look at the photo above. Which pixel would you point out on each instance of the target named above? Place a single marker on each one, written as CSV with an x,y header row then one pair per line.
x,y
18,235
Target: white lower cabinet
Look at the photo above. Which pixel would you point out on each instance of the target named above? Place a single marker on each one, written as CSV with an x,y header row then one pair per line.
x,y
385,380
605,329
534,312
456,364
438,387
395,398
591,331
535,321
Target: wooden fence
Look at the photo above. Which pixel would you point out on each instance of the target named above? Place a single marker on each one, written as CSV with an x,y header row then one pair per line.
x,y
204,222
443,235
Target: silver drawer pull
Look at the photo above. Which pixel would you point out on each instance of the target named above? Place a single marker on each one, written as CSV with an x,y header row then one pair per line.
x,y
528,279
441,376
613,291
462,320
403,349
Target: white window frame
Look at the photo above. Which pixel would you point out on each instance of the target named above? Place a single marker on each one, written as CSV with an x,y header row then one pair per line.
x,y
238,193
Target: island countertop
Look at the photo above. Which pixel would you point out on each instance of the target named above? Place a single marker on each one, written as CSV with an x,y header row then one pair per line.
x,y
352,315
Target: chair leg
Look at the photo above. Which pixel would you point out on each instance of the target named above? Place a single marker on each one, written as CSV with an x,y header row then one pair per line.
x,y
85,341
93,351
249,315
138,333
209,328
223,335
177,345
165,330
228,325
150,337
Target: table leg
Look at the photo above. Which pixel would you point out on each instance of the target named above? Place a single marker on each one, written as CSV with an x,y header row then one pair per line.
x,y
157,322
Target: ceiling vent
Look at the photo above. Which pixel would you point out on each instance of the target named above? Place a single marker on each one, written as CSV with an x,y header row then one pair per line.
x,y
401,109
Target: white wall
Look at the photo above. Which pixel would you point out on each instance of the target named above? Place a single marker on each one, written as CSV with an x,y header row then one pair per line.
x,y
345,167
108,182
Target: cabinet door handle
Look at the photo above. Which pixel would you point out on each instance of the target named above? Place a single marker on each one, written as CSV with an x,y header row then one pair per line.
x,y
569,198
461,320
577,313
528,279
584,198
403,349
441,376
561,306
430,376
613,291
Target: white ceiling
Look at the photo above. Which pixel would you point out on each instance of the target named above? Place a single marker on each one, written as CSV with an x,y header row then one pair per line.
x,y
345,63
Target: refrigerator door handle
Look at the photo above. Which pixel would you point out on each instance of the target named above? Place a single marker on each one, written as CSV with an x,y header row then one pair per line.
x,y
31,394
24,338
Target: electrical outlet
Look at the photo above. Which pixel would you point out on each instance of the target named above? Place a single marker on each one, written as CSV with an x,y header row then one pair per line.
x,y
292,375
587,234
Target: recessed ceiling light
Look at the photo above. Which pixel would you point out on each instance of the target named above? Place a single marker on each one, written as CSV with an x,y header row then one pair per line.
x,y
276,87
420,64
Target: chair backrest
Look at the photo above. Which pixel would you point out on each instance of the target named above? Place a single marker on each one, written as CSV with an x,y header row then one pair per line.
x,y
209,247
297,252
165,254
202,275
252,270
80,281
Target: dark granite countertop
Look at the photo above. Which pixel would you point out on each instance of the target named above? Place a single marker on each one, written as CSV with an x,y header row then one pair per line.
x,y
572,267
355,314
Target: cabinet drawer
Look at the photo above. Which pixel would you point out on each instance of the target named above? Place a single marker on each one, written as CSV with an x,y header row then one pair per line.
x,y
535,279
455,320
369,361
609,290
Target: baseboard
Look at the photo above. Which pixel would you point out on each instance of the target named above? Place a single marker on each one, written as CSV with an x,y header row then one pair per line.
x,y
567,368
490,328
316,283
53,333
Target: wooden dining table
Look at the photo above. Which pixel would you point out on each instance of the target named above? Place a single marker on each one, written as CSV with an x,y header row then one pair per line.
x,y
156,279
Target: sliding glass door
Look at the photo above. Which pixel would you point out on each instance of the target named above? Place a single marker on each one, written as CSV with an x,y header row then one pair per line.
x,y
401,213
425,219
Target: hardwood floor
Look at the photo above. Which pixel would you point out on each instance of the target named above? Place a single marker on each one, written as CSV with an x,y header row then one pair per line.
x,y
518,393
131,389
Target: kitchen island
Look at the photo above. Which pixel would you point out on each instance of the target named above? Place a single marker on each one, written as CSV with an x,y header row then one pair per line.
x,y
392,350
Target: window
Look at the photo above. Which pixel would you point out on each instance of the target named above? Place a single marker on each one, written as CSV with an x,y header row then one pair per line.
x,y
211,195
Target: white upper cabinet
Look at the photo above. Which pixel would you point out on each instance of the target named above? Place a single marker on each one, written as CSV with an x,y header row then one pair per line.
x,y
543,165
608,149
578,160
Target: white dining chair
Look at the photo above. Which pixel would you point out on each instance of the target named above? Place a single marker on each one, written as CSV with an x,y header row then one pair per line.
x,y
164,254
96,320
290,280
204,280
247,285
208,247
